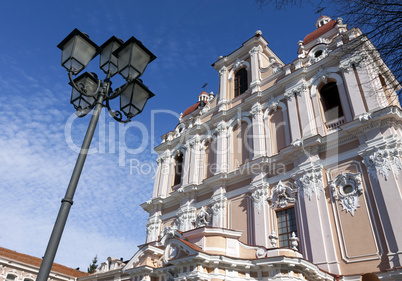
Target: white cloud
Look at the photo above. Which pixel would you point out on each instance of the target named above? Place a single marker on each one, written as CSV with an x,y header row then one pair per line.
x,y
35,168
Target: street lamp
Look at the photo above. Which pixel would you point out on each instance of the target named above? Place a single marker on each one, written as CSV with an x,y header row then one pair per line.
x,y
129,59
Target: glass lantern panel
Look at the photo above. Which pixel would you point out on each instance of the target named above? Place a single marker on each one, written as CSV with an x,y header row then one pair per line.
x,y
129,72
89,84
125,97
83,51
124,58
139,58
140,97
108,62
133,111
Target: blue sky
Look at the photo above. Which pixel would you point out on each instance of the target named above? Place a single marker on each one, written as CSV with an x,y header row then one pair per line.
x,y
40,135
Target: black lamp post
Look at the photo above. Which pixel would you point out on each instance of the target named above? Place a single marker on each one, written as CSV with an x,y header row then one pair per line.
x,y
130,60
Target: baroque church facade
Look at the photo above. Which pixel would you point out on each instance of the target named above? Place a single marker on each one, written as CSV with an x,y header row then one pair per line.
x,y
291,172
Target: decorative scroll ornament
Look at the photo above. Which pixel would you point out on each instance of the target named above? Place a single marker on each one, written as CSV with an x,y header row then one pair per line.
x,y
347,188
203,217
297,90
356,59
323,74
282,195
161,158
222,127
186,217
382,161
238,64
205,109
273,103
218,207
256,110
153,226
310,182
259,195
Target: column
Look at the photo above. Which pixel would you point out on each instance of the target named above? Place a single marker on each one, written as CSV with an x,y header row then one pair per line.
x,y
165,175
218,206
254,68
258,131
293,116
186,164
307,119
196,161
259,195
355,95
223,83
222,148
157,185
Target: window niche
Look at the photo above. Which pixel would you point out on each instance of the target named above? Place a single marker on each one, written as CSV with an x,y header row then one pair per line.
x,y
286,221
178,168
240,82
332,106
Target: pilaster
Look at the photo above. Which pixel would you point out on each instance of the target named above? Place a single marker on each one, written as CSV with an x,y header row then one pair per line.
x,y
258,131
383,166
294,121
218,207
318,233
222,148
255,77
223,80
352,86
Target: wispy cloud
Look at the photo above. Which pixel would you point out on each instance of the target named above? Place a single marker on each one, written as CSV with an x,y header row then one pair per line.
x,y
35,169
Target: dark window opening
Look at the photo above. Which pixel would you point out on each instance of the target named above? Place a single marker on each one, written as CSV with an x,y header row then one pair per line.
x,y
286,226
331,102
241,84
178,169
318,53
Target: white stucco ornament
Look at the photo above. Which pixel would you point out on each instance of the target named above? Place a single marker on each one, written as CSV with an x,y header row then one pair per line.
x,y
382,161
282,195
346,188
203,217
310,182
153,226
218,207
186,216
259,195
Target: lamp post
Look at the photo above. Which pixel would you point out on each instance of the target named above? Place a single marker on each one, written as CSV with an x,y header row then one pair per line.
x,y
129,59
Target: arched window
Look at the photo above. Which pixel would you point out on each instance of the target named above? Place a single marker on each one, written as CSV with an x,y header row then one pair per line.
x,y
240,82
332,106
178,168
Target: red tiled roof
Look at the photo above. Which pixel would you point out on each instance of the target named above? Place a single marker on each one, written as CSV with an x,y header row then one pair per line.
x,y
191,109
319,31
34,261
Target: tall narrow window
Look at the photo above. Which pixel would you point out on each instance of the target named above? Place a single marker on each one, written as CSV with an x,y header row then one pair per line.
x,y
240,81
286,226
178,169
331,102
